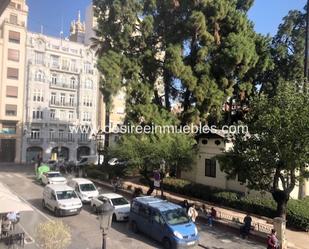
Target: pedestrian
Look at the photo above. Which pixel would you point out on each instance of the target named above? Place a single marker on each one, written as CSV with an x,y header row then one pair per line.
x,y
212,216
6,226
272,241
192,212
245,229
185,205
13,217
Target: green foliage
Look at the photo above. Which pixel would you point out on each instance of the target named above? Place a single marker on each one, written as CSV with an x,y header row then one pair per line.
x,y
146,151
277,146
191,52
297,211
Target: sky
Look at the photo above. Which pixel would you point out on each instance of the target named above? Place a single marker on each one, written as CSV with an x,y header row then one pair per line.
x,y
56,15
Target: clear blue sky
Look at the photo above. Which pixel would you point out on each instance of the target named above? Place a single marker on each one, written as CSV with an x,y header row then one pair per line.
x,y
53,14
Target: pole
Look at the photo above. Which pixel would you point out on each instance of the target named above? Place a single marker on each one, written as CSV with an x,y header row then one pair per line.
x,y
306,68
104,240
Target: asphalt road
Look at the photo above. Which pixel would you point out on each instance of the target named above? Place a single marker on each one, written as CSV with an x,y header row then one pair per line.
x,y
85,226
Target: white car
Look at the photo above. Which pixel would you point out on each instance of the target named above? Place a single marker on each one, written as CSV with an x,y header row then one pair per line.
x,y
85,189
121,205
53,177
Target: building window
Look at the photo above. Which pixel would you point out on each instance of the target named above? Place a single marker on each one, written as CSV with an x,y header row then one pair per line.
x,y
12,73
12,91
73,83
70,137
14,37
74,66
71,115
54,79
53,98
55,61
210,168
8,129
62,115
39,58
13,19
71,100
13,55
88,84
39,76
11,110
62,99
37,114
38,95
88,68
61,134
51,134
65,64
86,117
52,113
35,133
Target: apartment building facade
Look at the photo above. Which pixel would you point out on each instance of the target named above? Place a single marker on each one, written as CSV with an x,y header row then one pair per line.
x,y
13,31
61,99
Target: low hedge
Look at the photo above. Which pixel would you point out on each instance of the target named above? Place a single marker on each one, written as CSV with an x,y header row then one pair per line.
x,y
263,205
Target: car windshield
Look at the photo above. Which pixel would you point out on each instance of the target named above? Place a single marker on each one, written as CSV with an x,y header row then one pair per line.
x,y
119,201
50,175
87,187
64,195
175,216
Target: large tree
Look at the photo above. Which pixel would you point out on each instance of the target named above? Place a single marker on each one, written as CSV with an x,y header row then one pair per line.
x,y
176,51
288,53
273,155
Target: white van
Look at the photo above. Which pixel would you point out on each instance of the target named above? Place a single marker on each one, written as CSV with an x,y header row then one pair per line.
x,y
61,199
85,189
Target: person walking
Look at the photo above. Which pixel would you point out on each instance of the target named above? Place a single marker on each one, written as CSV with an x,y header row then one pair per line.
x,y
192,213
212,216
272,240
245,229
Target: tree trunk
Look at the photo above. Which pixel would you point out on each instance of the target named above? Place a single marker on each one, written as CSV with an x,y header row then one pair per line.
x,y
281,198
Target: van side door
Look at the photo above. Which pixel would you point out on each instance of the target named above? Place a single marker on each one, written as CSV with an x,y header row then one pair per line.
x,y
158,226
53,200
145,219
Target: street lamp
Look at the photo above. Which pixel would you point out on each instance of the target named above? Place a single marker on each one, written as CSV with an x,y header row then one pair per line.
x,y
106,211
99,139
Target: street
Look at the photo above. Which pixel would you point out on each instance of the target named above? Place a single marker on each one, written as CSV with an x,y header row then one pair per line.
x,y
85,226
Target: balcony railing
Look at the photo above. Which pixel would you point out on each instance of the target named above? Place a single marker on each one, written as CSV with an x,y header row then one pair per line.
x,y
35,140
61,104
84,141
61,139
63,86
18,23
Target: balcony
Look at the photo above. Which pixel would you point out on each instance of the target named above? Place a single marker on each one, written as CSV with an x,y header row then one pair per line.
x,y
62,104
18,23
35,141
64,86
61,140
84,141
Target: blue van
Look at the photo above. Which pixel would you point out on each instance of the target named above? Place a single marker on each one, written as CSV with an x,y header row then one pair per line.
x,y
163,221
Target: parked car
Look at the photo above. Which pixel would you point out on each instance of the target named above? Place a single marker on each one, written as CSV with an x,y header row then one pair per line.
x,y
53,177
164,221
61,199
121,205
116,162
84,188
87,160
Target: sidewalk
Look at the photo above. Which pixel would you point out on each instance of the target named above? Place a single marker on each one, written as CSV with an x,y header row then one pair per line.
x,y
227,217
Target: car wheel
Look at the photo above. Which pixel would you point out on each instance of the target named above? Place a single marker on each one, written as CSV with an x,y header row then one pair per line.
x,y
134,227
43,204
114,217
166,243
57,212
95,209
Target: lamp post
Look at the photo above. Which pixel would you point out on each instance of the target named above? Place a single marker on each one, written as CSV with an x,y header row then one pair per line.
x,y
98,138
106,211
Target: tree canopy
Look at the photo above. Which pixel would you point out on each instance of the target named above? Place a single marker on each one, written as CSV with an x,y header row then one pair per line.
x,y
177,51
274,155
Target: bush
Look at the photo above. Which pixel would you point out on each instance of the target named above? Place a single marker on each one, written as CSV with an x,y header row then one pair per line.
x,y
297,213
